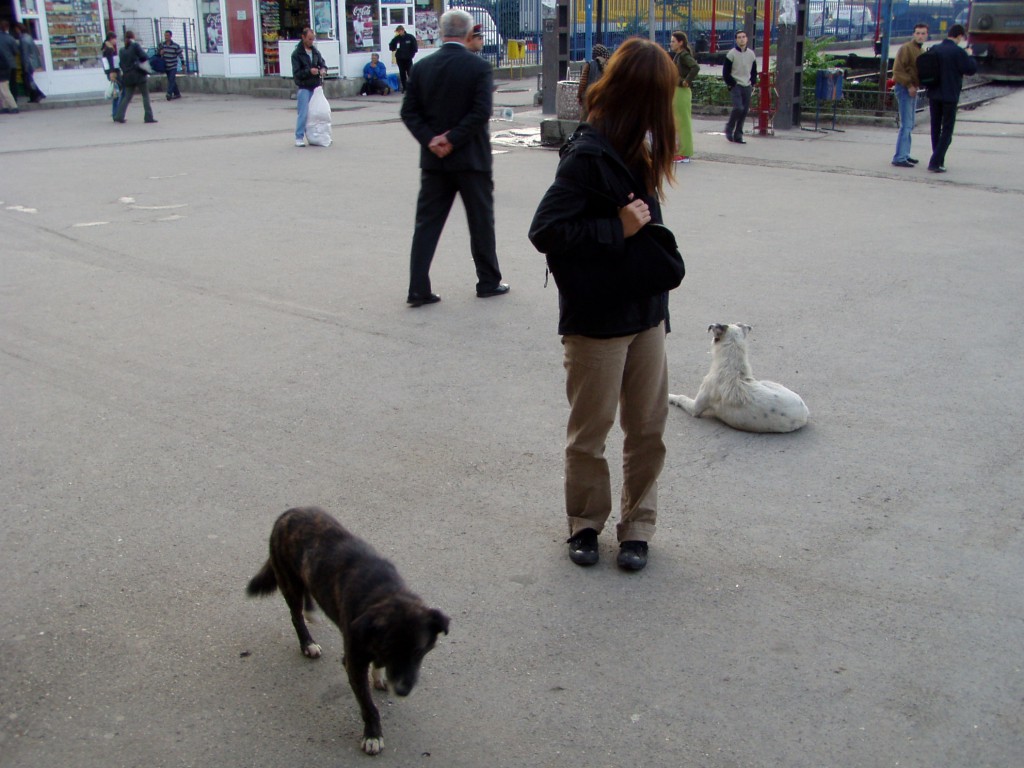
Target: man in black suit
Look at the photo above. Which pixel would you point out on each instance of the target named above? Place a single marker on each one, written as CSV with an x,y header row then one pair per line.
x,y
447,108
954,62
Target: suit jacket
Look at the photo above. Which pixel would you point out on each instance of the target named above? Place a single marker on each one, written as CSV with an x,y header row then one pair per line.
x,y
451,91
954,63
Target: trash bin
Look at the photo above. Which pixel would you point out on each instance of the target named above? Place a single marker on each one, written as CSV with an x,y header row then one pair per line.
x,y
567,106
828,86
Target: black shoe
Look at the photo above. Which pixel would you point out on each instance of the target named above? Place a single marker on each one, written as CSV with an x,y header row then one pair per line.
x,y
903,164
118,120
739,141
169,96
151,120
499,290
632,555
418,299
936,169
913,160
177,95
583,547
729,138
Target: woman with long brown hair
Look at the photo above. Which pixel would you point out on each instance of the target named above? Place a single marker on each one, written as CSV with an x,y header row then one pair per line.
x,y
687,68
607,188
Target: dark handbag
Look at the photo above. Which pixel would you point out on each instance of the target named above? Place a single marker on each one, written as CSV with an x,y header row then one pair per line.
x,y
650,264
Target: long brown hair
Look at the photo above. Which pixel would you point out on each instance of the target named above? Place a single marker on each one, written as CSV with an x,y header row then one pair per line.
x,y
681,37
632,99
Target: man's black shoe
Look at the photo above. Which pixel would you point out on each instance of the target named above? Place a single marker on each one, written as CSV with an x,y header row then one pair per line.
x,y
499,290
739,141
583,547
903,163
418,299
913,160
936,169
729,138
632,555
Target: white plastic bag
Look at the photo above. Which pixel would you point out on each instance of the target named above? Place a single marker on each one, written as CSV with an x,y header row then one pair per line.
x,y
318,120
112,91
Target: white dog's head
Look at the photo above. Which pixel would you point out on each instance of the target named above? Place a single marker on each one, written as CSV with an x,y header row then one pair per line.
x,y
736,332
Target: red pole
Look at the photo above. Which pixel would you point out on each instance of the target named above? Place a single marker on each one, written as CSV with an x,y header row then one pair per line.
x,y
714,17
110,16
765,109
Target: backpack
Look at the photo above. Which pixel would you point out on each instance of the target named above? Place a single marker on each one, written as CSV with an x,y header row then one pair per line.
x,y
928,69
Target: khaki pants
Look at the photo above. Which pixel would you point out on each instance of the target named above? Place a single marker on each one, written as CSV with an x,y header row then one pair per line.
x,y
629,373
6,98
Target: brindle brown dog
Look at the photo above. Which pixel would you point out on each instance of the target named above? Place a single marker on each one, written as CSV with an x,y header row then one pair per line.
x,y
383,624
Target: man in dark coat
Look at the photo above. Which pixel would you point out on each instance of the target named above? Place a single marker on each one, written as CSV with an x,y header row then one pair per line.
x,y
447,107
403,47
954,62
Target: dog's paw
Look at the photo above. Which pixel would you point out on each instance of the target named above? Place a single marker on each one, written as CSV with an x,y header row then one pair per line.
x,y
683,402
312,651
373,746
378,679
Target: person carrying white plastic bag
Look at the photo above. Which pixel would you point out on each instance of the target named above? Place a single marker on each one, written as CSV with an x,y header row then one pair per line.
x,y
318,120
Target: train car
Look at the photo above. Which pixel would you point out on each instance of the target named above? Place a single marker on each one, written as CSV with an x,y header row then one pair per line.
x,y
995,32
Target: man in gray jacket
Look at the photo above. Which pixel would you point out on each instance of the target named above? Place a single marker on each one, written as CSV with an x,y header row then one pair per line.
x,y
740,74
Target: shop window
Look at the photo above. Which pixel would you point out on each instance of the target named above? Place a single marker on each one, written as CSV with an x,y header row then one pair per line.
x,y
75,31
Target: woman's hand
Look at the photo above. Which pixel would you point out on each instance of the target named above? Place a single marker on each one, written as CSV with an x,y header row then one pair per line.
x,y
634,216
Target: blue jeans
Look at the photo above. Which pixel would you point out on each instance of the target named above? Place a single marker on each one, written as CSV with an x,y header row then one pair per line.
x,y
906,104
302,104
172,84
740,107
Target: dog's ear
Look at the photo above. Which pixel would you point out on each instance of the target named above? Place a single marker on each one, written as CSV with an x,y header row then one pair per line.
x,y
745,328
717,330
437,622
367,625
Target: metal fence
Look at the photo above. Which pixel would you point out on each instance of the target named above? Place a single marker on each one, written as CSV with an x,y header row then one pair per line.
x,y
184,31
710,24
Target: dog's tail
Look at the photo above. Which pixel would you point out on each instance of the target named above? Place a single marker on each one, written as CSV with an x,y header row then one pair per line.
x,y
263,583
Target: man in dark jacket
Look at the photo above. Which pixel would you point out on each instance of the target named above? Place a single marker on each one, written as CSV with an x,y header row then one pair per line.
x,y
403,47
134,77
8,61
447,107
308,70
954,62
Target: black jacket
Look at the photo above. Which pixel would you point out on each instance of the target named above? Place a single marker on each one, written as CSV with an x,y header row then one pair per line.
x,y
578,218
404,46
451,91
132,55
302,62
954,63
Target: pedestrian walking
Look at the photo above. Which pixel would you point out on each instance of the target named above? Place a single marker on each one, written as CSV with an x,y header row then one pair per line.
x,y
955,61
607,189
134,77
112,69
740,74
29,63
308,70
904,72
403,48
682,102
170,52
447,108
590,74
8,65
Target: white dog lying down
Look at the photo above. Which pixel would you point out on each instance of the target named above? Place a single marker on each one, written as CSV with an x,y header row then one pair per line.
x,y
731,393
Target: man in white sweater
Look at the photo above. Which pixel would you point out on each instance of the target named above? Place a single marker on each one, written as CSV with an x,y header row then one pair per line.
x,y
740,74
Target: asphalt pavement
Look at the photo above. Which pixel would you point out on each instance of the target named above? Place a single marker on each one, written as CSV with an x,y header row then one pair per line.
x,y
202,325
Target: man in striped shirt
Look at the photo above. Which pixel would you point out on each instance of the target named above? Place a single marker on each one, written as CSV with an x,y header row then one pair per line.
x,y
170,52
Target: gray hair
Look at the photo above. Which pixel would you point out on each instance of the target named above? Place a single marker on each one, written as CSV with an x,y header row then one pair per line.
x,y
456,23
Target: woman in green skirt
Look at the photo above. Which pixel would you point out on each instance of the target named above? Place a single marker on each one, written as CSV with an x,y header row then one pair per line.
x,y
687,69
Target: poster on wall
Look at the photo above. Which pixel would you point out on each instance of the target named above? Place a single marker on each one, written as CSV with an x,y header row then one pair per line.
x,y
427,29
363,24
214,33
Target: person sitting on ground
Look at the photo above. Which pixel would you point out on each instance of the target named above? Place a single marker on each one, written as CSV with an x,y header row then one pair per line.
x,y
375,78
